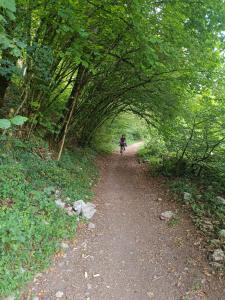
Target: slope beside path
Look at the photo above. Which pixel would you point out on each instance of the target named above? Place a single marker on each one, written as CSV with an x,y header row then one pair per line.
x,y
130,254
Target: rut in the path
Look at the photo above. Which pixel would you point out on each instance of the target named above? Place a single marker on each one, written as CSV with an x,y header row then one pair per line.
x,y
131,254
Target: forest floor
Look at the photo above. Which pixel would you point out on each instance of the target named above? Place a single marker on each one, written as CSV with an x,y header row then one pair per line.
x,y
131,253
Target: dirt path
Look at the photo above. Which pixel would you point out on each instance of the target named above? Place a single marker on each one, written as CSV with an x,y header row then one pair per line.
x,y
131,254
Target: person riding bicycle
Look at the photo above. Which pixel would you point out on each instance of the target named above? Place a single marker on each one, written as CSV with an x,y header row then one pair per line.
x,y
122,143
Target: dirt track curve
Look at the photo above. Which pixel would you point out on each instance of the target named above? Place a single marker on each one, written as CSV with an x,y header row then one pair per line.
x,y
131,254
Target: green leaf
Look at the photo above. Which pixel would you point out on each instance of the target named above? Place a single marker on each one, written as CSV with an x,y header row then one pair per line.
x,y
5,124
8,4
18,120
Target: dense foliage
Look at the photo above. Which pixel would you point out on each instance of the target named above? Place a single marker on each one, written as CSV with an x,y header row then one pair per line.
x,y
70,65
79,71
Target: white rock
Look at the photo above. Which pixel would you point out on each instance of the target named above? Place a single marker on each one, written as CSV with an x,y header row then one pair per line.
x,y
167,215
216,265
35,298
64,245
218,255
88,210
22,270
59,294
187,196
60,203
220,199
222,233
89,286
57,193
78,205
91,226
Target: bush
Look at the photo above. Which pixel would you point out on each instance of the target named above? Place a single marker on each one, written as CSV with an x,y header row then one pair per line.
x,y
31,224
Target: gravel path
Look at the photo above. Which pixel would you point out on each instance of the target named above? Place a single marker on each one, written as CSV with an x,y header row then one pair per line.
x,y
131,254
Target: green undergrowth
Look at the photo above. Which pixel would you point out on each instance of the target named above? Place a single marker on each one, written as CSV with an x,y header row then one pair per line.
x,y
32,226
207,210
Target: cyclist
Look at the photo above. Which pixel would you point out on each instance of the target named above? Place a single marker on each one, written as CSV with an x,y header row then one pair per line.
x,y
122,143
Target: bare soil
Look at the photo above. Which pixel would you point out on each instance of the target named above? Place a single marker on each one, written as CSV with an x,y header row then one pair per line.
x,y
131,254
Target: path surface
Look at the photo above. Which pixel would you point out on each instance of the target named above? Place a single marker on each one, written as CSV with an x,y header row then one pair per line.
x,y
131,254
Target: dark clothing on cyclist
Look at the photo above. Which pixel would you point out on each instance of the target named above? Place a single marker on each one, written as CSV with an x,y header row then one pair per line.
x,y
122,141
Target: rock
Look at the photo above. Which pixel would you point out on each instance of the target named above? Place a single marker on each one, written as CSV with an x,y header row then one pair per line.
x,y
59,294
167,215
77,206
60,203
218,255
91,226
216,265
89,286
222,233
87,210
198,197
159,199
35,298
187,197
22,270
220,199
57,193
64,246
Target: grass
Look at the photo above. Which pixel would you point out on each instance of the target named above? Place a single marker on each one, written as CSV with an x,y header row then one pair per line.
x,y
31,226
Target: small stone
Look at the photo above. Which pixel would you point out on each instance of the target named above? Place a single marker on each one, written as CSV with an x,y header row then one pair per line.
x,y
218,255
57,193
59,294
187,197
159,199
216,265
150,294
89,286
222,233
91,226
60,203
64,246
198,197
35,298
88,210
167,215
22,270
220,199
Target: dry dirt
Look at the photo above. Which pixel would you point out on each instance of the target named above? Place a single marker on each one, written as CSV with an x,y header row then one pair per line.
x,y
131,254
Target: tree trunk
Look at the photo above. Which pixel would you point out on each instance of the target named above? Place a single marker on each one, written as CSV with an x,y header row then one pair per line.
x,y
70,102
4,83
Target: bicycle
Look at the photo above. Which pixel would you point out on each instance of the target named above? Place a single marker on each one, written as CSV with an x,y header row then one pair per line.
x,y
122,148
